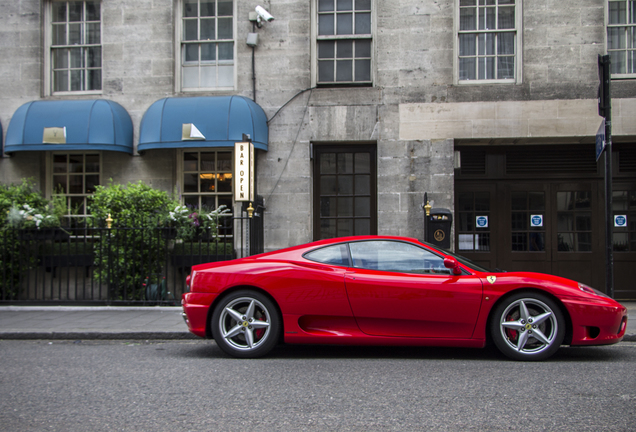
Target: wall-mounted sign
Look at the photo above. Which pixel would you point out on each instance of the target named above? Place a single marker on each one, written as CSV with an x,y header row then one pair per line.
x,y
481,221
54,135
620,221
190,132
536,220
244,171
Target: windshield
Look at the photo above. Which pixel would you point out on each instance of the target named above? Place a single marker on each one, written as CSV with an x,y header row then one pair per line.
x,y
463,260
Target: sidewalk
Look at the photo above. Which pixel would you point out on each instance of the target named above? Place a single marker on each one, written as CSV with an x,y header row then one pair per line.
x,y
112,322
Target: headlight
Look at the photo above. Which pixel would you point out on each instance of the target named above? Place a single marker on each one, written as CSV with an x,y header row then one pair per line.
x,y
589,290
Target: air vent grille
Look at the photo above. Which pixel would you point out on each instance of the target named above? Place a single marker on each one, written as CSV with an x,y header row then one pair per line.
x,y
543,159
627,160
473,162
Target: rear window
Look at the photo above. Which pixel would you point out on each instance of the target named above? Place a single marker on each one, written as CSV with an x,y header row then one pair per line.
x,y
334,255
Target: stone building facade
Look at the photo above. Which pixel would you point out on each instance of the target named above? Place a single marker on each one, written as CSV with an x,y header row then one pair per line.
x,y
369,104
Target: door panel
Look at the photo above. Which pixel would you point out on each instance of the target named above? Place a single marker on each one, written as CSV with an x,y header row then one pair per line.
x,y
398,304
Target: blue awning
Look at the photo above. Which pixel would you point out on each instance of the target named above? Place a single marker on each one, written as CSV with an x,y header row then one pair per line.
x,y
212,121
95,124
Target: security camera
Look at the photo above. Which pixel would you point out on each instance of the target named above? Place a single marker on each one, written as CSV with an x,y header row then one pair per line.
x,y
263,14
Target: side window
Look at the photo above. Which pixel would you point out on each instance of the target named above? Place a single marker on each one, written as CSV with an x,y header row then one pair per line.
x,y
206,52
336,255
394,256
75,46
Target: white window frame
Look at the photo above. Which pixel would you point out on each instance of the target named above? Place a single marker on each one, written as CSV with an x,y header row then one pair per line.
x,y
518,49
49,174
48,52
626,49
178,37
314,47
181,171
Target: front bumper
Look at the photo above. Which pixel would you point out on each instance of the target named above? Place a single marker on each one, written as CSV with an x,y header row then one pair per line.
x,y
596,323
196,307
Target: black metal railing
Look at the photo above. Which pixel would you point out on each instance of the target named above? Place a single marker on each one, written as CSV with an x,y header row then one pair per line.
x,y
95,264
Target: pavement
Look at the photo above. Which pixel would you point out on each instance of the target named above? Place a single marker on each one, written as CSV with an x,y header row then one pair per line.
x,y
134,323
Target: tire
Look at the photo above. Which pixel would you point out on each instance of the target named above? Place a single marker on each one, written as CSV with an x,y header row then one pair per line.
x,y
528,326
245,324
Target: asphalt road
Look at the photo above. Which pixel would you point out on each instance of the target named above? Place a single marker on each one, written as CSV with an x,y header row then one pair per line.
x,y
192,386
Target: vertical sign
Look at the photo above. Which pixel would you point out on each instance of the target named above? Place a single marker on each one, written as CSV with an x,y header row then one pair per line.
x,y
243,171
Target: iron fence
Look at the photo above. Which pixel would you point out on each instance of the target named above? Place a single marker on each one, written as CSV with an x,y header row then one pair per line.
x,y
95,264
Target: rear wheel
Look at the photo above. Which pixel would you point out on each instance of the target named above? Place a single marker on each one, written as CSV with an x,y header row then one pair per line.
x,y
528,326
245,324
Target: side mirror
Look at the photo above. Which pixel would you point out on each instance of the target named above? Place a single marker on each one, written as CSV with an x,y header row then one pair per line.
x,y
451,263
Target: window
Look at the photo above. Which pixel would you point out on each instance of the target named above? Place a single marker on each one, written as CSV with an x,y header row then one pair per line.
x,y
207,44
528,230
75,46
344,191
75,177
207,179
621,36
344,42
624,232
396,257
473,213
488,40
574,221
336,255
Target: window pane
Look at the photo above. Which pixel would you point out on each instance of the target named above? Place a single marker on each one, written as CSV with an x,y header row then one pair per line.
x,y
328,163
505,67
94,79
362,163
190,183
190,30
363,185
344,5
506,43
190,77
91,182
59,34
60,81
616,37
325,5
344,49
363,70
345,163
207,8
92,11
60,58
190,8
537,241
345,207
345,185
75,184
345,24
225,8
208,30
467,19
362,227
467,44
59,184
363,48
191,53
93,33
328,185
325,25
77,80
190,161
363,5
326,49
208,76
225,28
506,18
328,207
75,34
94,57
345,227
362,206
208,52
75,10
59,12
617,12
363,23
325,71
226,51
92,163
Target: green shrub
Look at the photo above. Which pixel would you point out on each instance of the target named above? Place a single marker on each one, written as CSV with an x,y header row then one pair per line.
x,y
126,254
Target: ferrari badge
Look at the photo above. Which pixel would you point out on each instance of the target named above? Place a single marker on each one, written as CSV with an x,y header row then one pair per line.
x,y
491,279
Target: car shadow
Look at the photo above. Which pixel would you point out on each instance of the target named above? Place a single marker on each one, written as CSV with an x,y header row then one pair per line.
x,y
209,349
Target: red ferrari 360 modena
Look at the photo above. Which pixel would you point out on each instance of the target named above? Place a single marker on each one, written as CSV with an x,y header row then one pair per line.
x,y
375,290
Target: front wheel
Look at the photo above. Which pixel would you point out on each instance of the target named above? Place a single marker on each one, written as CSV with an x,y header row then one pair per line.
x,y
245,324
528,326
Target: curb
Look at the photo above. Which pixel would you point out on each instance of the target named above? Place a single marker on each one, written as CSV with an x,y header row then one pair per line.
x,y
97,336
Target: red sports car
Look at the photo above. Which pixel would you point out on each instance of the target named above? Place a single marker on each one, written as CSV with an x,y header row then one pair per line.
x,y
375,290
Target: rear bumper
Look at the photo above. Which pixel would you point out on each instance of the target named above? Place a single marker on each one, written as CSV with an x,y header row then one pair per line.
x,y
596,323
195,311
